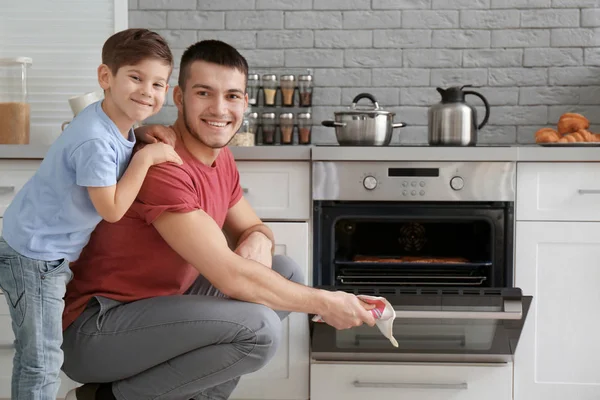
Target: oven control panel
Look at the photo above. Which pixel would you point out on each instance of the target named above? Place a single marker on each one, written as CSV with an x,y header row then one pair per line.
x,y
414,181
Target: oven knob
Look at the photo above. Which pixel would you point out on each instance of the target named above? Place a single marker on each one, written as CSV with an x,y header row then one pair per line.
x,y
370,182
457,183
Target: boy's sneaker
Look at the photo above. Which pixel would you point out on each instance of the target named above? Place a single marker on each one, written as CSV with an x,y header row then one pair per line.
x,y
85,392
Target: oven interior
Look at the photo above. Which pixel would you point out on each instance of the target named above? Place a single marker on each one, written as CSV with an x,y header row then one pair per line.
x,y
427,245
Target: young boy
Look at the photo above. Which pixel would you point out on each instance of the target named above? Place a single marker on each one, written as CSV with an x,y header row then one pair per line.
x,y
52,217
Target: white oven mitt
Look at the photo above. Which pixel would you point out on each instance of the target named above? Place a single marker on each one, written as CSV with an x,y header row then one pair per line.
x,y
384,315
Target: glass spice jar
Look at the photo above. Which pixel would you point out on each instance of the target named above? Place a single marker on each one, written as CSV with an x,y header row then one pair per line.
x,y
268,127
305,89
269,83
287,83
304,128
253,86
286,127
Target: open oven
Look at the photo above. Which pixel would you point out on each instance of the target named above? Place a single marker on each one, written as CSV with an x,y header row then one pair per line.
x,y
436,240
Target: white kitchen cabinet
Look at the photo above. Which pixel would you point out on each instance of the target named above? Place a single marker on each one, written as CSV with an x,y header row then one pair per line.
x,y
373,381
286,375
277,191
558,191
559,351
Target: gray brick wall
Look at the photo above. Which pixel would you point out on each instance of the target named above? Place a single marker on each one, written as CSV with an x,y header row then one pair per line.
x,y
532,59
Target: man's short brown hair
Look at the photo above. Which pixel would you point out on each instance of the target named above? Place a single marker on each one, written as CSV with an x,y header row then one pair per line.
x,y
132,46
212,51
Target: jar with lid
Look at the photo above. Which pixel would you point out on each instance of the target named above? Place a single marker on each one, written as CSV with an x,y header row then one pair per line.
x,y
253,86
15,110
243,137
268,127
286,127
269,83
305,89
287,83
252,122
304,128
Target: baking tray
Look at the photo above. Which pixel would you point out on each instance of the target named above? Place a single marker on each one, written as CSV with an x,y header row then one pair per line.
x,y
571,144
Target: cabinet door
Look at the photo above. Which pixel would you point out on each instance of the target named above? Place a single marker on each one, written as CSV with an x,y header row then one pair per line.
x,y
286,375
558,353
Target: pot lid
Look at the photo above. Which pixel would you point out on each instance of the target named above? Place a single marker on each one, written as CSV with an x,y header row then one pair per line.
x,y
373,109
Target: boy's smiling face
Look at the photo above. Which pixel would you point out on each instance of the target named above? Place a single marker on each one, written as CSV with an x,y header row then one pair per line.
x,y
135,92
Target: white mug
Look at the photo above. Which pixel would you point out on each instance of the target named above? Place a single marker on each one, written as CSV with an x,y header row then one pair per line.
x,y
78,103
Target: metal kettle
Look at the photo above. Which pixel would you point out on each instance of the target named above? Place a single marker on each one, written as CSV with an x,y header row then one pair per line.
x,y
453,122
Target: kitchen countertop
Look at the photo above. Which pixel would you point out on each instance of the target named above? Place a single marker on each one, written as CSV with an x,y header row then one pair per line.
x,y
523,153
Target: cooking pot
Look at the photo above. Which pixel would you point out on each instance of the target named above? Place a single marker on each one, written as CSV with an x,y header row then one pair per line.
x,y
364,126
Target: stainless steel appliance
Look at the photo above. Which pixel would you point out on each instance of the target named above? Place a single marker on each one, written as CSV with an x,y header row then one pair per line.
x,y
435,239
453,121
364,126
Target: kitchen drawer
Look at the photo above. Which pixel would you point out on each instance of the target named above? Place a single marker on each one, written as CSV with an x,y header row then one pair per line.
x,y
355,381
277,191
13,175
558,192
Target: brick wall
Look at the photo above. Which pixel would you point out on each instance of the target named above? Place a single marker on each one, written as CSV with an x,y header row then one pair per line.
x,y
533,59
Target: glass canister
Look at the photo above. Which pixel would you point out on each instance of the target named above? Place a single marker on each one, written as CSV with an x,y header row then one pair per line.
x,y
304,128
15,110
269,83
286,127
305,89
253,86
269,127
252,122
287,83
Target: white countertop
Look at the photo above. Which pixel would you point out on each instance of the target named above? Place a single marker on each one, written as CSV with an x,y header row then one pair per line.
x,y
524,153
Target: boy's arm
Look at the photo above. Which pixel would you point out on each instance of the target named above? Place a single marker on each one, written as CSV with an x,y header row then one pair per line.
x,y
112,202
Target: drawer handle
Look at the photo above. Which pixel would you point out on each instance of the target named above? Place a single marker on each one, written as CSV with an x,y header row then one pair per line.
x,y
7,346
6,189
589,191
398,385
245,190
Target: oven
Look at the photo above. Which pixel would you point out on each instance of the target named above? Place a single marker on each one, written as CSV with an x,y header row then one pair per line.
x,y
436,240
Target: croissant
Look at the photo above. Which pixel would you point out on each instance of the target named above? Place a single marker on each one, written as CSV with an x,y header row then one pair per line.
x,y
587,135
546,135
572,122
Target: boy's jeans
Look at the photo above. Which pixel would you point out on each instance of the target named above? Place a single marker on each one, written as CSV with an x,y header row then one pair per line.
x,y
34,291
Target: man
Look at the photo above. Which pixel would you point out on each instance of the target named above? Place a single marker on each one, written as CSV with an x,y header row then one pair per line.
x,y
160,306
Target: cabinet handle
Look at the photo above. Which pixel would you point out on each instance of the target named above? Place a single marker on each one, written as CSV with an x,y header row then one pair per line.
x,y
245,190
6,189
399,385
10,346
588,191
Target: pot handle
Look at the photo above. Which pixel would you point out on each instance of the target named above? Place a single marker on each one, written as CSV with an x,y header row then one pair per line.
x,y
332,124
485,103
399,125
365,96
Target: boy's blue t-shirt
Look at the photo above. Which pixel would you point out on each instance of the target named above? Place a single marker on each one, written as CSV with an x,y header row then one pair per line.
x,y
52,216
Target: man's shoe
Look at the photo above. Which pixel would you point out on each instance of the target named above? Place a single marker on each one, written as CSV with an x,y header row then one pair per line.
x,y
85,392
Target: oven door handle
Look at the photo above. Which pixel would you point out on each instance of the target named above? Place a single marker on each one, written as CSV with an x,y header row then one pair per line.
x,y
513,309
408,385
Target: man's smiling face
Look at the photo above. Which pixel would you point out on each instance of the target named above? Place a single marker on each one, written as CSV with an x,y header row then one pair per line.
x,y
213,103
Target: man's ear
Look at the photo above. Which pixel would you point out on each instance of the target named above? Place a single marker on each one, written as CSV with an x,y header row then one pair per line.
x,y
178,97
104,75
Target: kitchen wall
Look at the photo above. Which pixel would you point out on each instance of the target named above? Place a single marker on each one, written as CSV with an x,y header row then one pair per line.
x,y
533,59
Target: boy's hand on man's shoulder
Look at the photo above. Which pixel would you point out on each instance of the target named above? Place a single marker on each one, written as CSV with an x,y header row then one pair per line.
x,y
157,153
156,133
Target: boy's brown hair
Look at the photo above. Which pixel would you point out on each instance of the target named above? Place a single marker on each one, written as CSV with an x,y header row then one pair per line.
x,y
132,46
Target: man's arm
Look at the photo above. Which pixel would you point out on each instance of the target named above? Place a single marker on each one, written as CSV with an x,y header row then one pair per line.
x,y
197,238
242,221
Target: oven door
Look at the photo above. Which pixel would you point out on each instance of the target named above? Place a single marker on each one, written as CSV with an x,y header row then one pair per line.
x,y
432,325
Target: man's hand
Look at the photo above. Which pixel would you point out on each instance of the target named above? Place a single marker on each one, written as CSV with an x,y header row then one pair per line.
x,y
344,310
256,247
156,133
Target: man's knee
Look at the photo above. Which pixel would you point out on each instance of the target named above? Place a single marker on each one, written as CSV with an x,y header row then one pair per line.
x,y
288,268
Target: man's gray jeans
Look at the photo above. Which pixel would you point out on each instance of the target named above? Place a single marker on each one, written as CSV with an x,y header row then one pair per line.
x,y
191,346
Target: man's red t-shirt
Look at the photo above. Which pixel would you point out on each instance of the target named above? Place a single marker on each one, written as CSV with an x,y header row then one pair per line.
x,y
129,260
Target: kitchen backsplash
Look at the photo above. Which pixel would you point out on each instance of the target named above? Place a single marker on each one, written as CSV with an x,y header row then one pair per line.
x,y
532,59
